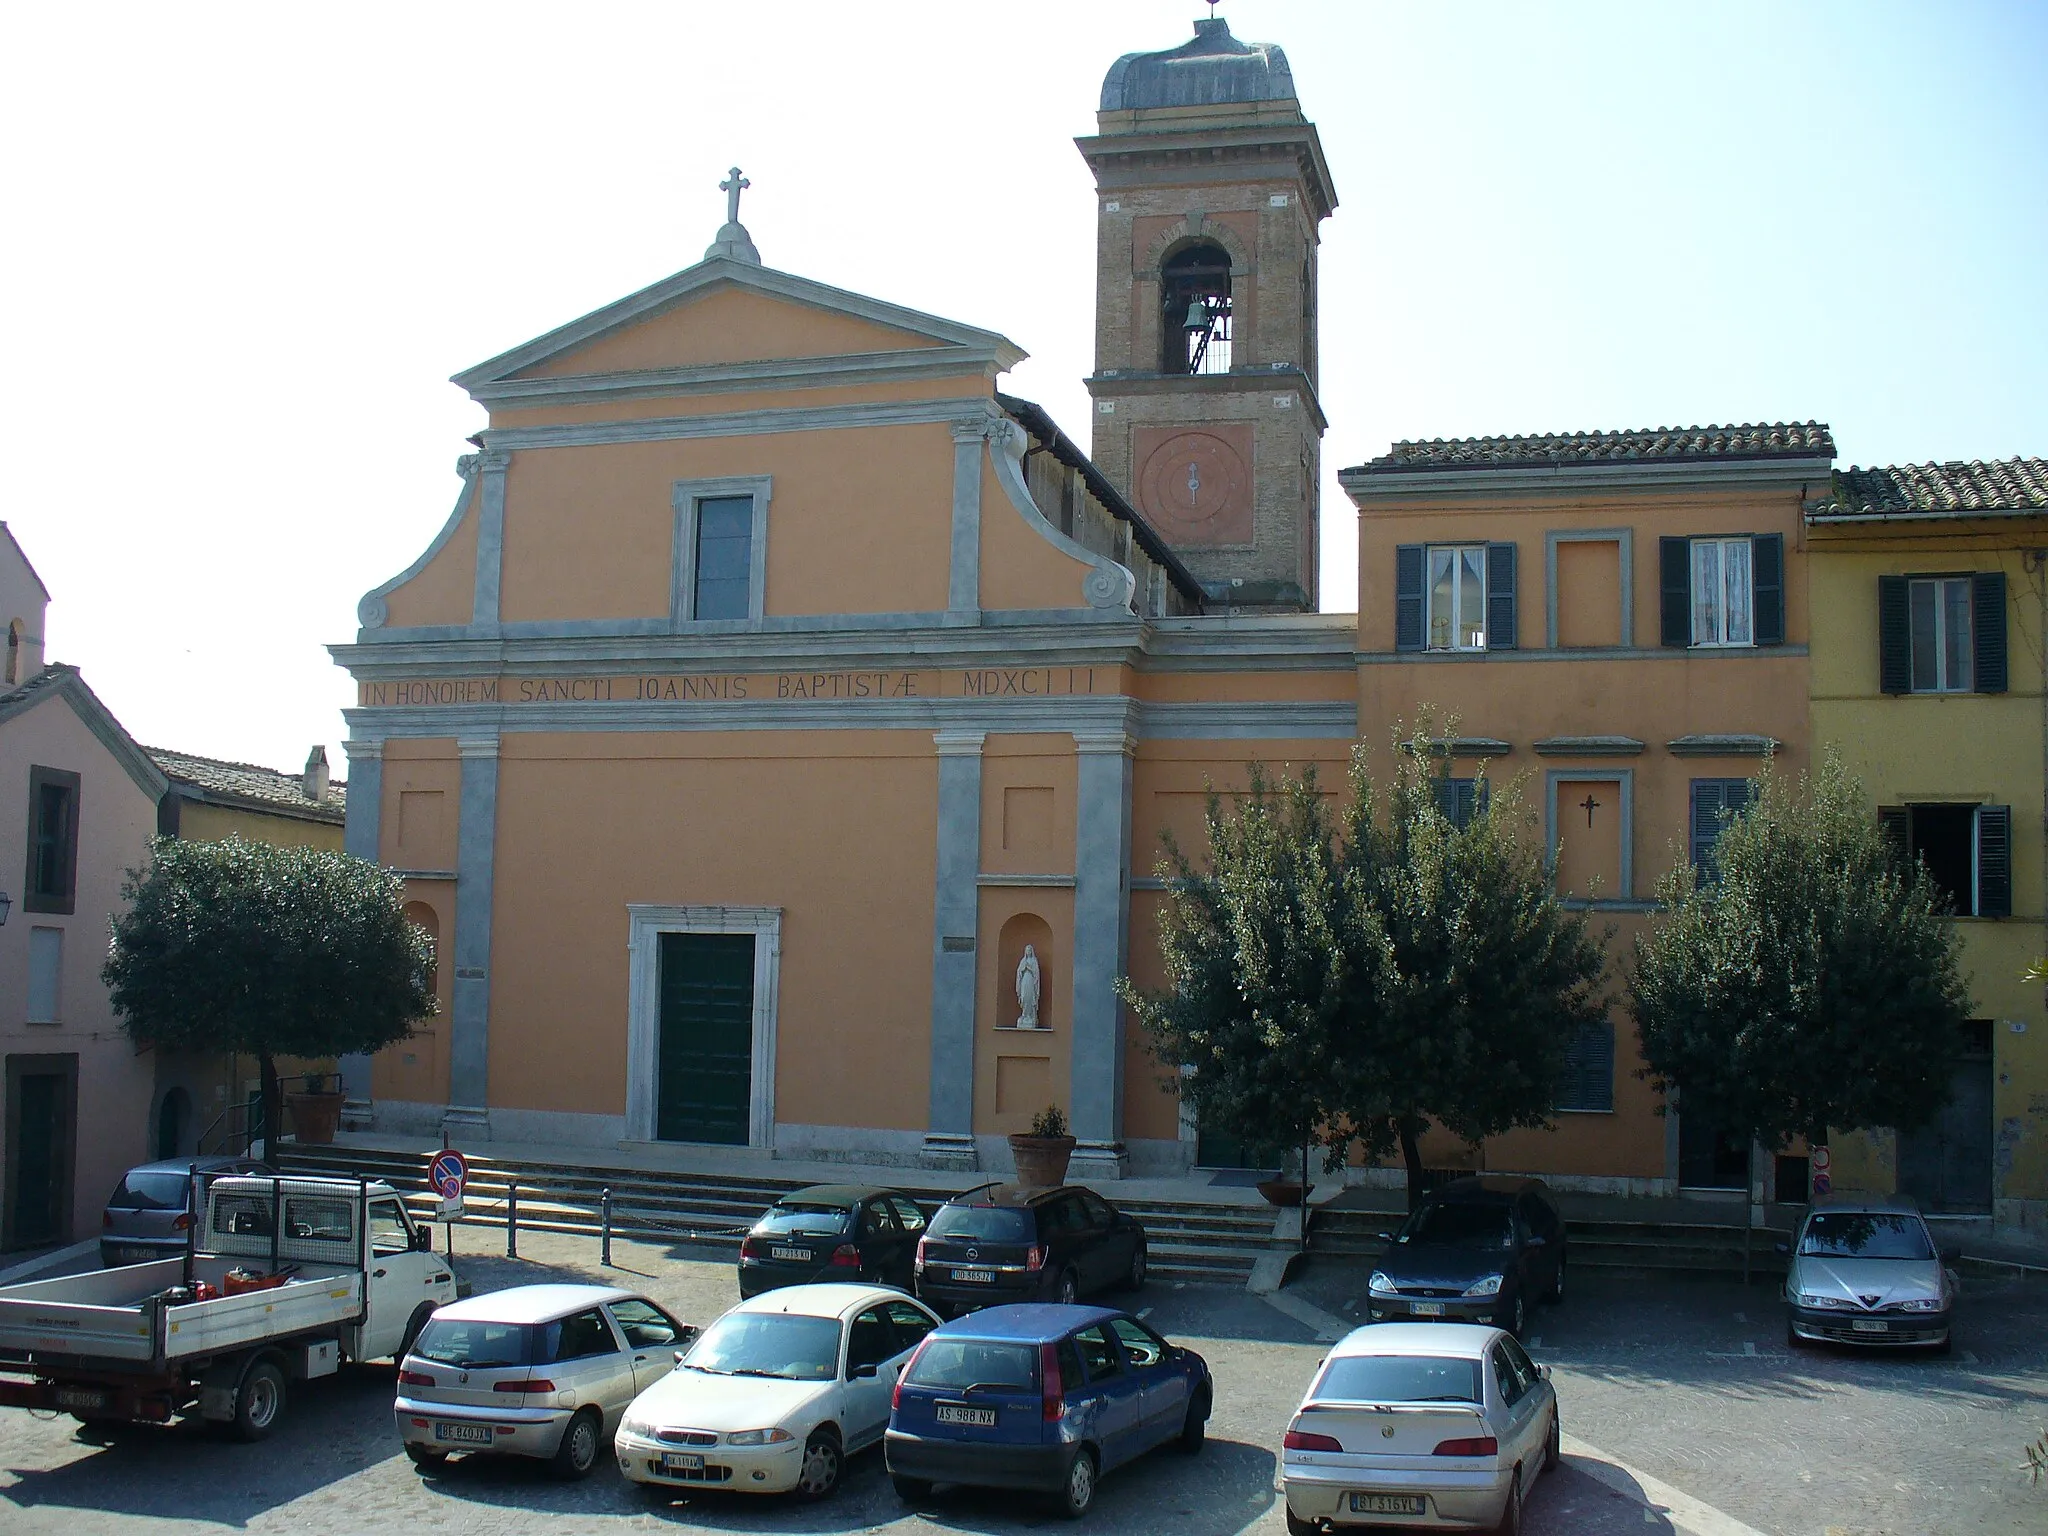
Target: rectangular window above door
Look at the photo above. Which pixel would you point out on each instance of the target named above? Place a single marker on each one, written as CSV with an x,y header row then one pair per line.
x,y
1942,633
52,882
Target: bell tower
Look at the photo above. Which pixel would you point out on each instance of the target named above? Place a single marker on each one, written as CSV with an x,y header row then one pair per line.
x,y
1211,188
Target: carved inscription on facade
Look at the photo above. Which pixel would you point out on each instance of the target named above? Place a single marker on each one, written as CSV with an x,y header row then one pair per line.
x,y
734,687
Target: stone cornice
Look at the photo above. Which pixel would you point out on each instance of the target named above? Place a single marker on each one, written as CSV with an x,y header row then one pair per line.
x,y
1121,160
741,378
1260,379
1369,487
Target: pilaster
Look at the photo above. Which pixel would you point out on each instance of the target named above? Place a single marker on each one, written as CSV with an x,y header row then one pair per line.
x,y
1102,831
963,586
470,1014
956,904
490,534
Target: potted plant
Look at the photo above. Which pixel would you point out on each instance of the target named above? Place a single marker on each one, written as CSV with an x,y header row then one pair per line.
x,y
316,1109
1042,1153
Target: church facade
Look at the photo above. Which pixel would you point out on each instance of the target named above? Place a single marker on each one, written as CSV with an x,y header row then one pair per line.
x,y
778,682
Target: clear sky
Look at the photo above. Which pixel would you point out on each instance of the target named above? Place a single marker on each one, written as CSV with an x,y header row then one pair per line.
x,y
245,246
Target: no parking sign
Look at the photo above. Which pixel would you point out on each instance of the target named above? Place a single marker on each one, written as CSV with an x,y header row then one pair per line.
x,y
446,1174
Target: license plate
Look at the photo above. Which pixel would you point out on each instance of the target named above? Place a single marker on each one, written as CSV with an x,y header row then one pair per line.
x,y
463,1434
793,1255
1868,1325
1387,1504
975,1276
950,1413
677,1461
135,1255
1425,1309
80,1397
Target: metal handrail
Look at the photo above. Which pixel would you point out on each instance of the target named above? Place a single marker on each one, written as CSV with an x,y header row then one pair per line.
x,y
244,1108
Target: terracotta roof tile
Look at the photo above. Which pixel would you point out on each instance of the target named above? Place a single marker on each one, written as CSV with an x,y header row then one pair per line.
x,y
250,782
1929,490
1802,440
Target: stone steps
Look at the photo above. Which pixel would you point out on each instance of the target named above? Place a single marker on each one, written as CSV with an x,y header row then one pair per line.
x,y
708,1213
1696,1246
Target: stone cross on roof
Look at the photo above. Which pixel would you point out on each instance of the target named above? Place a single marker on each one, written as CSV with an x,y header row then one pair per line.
x,y
733,242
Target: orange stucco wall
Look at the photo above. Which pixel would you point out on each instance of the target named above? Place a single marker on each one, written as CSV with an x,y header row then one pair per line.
x,y
445,591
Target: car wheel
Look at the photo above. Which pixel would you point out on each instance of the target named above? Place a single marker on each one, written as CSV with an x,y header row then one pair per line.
x,y
1553,1452
1793,1338
1513,1315
819,1474
1135,1280
1511,1512
426,1458
413,1328
1556,1296
1070,1288
1077,1492
259,1401
1195,1427
1296,1526
911,1490
577,1453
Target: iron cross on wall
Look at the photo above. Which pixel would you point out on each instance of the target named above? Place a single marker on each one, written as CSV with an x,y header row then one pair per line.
x,y
1589,805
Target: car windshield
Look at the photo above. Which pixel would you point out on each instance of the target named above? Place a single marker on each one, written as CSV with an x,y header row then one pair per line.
x,y
983,1224
769,1344
964,1363
474,1346
151,1192
1399,1379
1865,1235
825,1220
1460,1226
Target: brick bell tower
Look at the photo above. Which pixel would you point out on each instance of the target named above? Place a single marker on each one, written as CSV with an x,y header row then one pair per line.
x,y
1212,186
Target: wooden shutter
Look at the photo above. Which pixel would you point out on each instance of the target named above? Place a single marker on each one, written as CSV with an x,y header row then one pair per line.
x,y
1459,800
1767,588
1987,629
1500,597
1674,569
1994,861
1709,796
1408,616
1588,1082
1897,824
1894,636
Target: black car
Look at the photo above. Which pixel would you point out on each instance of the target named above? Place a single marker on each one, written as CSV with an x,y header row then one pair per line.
x,y
1477,1250
833,1232
1016,1242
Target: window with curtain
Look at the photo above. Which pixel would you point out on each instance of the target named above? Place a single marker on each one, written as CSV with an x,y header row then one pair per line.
x,y
1721,592
1457,597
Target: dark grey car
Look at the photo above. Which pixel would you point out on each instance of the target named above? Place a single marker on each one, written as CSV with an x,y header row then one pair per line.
x,y
150,1211
1477,1250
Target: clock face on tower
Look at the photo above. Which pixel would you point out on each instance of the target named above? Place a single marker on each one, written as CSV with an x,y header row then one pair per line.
x,y
1195,486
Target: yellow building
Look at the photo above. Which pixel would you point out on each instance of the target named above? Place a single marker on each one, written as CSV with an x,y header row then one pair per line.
x,y
1929,606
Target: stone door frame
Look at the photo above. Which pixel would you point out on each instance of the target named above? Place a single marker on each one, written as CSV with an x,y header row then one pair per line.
x,y
645,925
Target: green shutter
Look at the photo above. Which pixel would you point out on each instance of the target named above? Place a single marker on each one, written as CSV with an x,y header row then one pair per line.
x,y
1987,629
1994,861
1500,597
1894,636
1408,581
1674,567
1767,587
1896,822
1708,799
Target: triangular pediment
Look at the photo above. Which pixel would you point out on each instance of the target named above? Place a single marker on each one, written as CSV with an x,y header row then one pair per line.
x,y
721,315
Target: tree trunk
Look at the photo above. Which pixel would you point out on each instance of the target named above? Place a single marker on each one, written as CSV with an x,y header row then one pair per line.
x,y
1411,1153
273,1105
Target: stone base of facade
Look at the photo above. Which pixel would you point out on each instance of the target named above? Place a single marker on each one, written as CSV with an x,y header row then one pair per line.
x,y
949,1153
1097,1162
1570,1183
472,1121
2020,1215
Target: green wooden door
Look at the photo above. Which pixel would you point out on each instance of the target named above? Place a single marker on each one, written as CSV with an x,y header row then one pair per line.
x,y
707,1037
40,1133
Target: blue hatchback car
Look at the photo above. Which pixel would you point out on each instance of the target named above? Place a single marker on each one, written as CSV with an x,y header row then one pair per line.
x,y
1042,1397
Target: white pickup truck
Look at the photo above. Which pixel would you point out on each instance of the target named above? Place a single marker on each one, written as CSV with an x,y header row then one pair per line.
x,y
289,1278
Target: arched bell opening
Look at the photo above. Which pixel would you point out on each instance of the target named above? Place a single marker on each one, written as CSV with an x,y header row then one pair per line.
x,y
1194,290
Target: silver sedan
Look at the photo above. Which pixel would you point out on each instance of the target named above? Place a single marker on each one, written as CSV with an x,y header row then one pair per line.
x,y
1865,1270
1442,1425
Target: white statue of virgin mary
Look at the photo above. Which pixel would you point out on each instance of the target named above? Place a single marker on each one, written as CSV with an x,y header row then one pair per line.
x,y
1027,989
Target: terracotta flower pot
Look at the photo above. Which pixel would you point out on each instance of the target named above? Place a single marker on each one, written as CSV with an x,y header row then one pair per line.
x,y
1042,1159
315,1117
1282,1191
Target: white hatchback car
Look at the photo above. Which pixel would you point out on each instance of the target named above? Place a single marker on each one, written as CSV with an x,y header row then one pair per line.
x,y
1420,1424
537,1370
775,1395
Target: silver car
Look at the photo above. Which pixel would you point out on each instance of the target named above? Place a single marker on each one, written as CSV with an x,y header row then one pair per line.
x,y
538,1370
149,1215
1437,1425
1865,1270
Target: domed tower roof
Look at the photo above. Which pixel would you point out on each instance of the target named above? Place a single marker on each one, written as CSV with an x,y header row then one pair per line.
x,y
1214,69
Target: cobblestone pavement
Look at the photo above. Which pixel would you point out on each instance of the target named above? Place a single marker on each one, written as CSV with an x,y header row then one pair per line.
x,y
1655,1377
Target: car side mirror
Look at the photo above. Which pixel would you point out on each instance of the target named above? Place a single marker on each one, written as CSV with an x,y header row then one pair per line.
x,y
423,1240
679,1355
686,1335
1543,1373
862,1373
